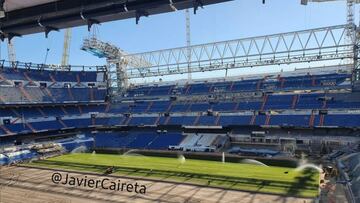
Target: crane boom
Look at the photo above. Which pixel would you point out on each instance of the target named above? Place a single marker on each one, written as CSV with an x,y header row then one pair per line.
x,y
11,51
106,50
188,41
66,48
304,2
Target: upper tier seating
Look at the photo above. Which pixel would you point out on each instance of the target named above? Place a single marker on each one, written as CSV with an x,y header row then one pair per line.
x,y
287,101
46,86
50,111
10,95
48,75
249,85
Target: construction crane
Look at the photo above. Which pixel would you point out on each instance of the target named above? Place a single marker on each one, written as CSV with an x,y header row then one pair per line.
x,y
350,15
111,52
305,2
11,51
188,41
114,54
350,5
350,20
350,8
66,48
351,34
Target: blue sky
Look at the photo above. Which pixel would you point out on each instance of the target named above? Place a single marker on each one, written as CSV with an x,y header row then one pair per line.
x,y
231,20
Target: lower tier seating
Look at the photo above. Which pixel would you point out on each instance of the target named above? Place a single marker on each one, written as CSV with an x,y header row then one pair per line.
x,y
137,140
285,120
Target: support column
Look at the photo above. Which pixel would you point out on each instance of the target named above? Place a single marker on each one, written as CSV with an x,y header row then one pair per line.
x,y
356,71
117,77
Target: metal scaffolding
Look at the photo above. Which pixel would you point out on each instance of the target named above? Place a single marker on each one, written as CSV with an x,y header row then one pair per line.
x,y
320,44
356,61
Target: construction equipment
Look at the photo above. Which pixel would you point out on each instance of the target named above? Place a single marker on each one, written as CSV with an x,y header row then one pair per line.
x,y
11,51
115,56
188,41
305,2
66,48
110,52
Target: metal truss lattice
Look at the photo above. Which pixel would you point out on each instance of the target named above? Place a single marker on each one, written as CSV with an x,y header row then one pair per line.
x,y
327,43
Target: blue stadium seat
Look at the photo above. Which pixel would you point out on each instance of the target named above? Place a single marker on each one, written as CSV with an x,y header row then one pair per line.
x,y
163,141
46,125
179,108
139,107
290,120
200,107
136,121
309,101
342,120
119,108
7,113
224,106
249,105
260,120
182,120
53,111
93,108
207,120
159,106
142,140
279,102
78,123
234,120
18,128
114,140
102,121
115,121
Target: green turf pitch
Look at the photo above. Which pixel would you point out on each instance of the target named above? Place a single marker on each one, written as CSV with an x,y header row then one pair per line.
x,y
248,177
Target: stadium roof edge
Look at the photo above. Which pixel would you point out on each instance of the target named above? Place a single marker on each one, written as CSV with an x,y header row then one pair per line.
x,y
47,16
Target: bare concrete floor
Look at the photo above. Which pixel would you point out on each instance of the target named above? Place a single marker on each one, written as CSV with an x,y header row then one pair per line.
x,y
30,185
